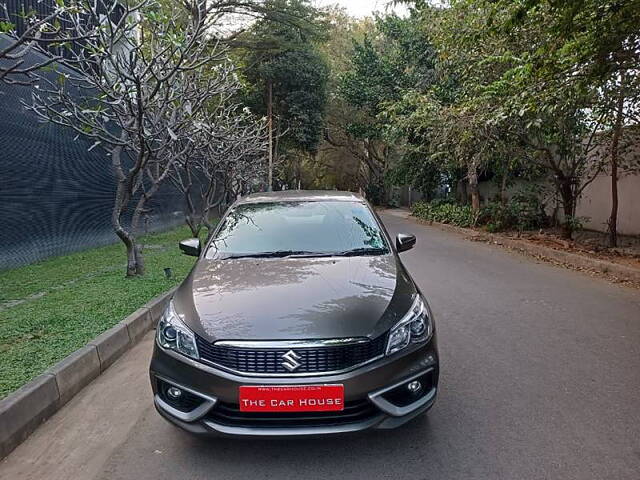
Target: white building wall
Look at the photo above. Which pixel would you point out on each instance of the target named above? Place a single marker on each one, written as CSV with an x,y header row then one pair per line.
x,y
595,204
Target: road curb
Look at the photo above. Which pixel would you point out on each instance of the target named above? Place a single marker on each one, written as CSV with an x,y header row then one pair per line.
x,y
111,344
621,272
28,407
140,322
25,409
75,372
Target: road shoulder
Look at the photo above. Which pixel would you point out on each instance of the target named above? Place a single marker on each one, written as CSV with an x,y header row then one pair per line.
x,y
613,272
80,438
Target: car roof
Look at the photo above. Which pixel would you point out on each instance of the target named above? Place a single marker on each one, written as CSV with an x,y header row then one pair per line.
x,y
301,196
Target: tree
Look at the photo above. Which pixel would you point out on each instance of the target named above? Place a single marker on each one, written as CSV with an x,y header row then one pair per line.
x,y
286,78
391,60
496,103
593,47
26,32
340,160
229,149
132,91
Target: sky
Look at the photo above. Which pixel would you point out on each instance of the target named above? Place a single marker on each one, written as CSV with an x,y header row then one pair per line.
x,y
360,8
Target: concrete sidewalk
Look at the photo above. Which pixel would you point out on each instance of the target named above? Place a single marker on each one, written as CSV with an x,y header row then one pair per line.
x,y
77,441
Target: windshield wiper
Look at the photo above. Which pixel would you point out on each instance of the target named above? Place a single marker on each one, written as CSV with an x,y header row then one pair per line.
x,y
277,254
361,251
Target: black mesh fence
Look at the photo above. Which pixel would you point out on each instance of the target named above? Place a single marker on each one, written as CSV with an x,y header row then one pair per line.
x,y
20,13
55,195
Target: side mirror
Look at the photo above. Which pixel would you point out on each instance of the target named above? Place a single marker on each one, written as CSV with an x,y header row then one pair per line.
x,y
405,241
190,246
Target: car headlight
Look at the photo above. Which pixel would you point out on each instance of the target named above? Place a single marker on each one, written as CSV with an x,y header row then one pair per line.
x,y
415,326
173,333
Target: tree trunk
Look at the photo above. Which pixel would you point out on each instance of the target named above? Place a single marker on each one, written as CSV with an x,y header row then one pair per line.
x,y
124,189
135,223
135,265
139,259
568,205
613,218
137,215
194,225
191,215
132,261
142,202
276,143
566,230
473,186
617,131
297,180
270,128
192,218
503,188
461,192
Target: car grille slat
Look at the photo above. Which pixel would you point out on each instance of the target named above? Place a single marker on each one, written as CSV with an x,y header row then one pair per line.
x,y
321,359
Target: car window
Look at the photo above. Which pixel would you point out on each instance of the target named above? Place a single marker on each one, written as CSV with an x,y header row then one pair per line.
x,y
299,228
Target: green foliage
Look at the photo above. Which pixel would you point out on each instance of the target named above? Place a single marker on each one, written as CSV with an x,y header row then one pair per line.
x,y
515,86
414,169
391,60
372,80
576,223
520,213
299,80
375,193
282,51
51,308
6,27
445,212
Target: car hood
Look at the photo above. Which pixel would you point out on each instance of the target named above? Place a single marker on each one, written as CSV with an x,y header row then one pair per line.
x,y
294,298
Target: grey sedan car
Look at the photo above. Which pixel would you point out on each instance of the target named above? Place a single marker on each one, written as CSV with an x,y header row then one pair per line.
x,y
297,319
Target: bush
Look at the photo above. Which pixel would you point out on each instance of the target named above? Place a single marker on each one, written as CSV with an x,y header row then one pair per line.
x,y
521,212
459,215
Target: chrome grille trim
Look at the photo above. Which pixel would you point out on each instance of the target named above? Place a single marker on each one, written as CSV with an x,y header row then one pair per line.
x,y
289,344
305,374
263,358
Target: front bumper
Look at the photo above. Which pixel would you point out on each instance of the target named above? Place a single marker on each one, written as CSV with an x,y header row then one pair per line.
x,y
370,402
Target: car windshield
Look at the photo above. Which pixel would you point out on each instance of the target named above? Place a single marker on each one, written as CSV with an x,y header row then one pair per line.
x,y
311,228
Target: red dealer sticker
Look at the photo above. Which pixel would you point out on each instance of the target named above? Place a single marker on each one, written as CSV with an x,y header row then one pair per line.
x,y
292,398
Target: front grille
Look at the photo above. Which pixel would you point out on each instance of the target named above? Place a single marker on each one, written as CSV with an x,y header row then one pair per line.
x,y
320,359
230,415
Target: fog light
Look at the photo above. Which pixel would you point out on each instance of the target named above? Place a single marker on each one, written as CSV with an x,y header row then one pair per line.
x,y
414,387
174,393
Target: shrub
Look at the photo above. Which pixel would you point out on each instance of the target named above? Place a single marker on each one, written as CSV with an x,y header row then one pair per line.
x,y
521,212
459,215
577,223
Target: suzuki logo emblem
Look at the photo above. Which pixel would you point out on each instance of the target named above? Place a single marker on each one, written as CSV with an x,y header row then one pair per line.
x,y
290,360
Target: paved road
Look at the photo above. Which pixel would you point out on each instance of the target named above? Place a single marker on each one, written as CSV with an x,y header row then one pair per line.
x,y
540,380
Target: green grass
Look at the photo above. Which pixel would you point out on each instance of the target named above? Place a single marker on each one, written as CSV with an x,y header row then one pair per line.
x,y
51,308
